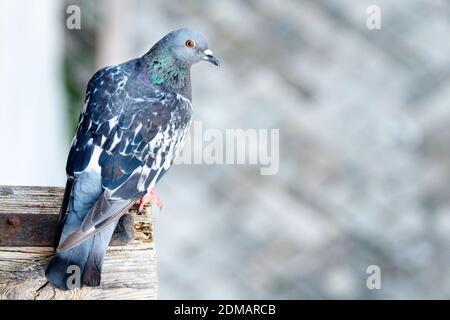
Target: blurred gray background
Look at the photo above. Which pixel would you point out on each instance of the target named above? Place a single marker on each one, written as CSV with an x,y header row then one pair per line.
x,y
364,119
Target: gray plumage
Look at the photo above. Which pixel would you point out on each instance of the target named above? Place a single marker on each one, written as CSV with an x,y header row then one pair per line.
x,y
134,121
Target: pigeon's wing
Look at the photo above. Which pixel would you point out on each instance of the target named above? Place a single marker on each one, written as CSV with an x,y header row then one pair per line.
x,y
94,124
103,105
110,211
137,144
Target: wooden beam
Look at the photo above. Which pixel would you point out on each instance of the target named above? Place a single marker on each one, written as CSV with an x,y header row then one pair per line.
x,y
27,223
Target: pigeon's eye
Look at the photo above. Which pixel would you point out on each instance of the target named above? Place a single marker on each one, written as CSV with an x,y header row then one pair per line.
x,y
190,44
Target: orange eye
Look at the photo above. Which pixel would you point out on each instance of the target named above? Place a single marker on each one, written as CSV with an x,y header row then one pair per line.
x,y
190,44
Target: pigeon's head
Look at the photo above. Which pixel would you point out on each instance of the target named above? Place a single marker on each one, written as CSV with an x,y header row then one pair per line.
x,y
189,47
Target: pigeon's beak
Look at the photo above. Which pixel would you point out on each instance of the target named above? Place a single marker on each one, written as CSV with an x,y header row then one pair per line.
x,y
209,56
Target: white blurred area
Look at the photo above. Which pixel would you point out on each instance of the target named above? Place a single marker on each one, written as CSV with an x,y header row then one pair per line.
x,y
33,121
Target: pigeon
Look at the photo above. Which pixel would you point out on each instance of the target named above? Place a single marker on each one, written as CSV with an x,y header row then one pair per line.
x,y
132,126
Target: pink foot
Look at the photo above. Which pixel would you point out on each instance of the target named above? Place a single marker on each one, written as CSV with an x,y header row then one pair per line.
x,y
150,197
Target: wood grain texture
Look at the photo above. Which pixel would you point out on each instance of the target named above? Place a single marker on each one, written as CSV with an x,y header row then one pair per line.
x,y
28,217
129,270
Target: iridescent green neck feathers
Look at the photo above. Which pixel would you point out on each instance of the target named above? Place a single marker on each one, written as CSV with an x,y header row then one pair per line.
x,y
166,71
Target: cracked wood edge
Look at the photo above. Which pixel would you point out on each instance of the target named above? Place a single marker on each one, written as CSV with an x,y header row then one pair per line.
x,y
129,271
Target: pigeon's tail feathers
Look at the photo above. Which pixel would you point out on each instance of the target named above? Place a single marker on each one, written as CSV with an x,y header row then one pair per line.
x,y
81,265
63,212
66,268
93,268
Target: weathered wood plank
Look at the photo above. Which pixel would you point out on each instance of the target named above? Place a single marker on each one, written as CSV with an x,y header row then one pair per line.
x,y
28,217
30,200
129,273
129,270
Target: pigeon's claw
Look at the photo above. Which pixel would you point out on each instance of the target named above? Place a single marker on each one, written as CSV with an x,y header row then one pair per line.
x,y
150,197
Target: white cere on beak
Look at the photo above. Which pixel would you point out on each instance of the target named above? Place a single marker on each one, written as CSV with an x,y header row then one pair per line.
x,y
208,55
208,52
